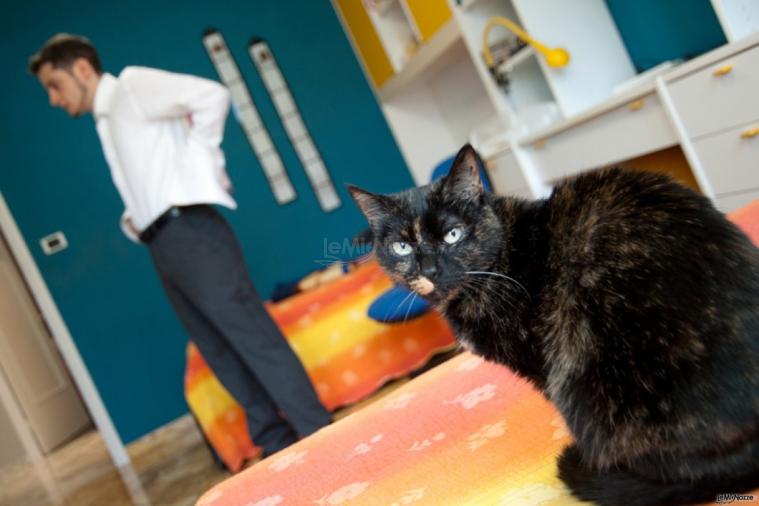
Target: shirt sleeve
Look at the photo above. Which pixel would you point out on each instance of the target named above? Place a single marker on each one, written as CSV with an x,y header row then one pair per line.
x,y
159,94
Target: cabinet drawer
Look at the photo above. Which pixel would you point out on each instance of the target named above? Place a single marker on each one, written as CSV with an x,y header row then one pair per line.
x,y
505,174
728,203
731,159
720,96
620,134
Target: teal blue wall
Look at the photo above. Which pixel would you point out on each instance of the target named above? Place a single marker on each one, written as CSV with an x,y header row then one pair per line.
x,y
54,176
655,31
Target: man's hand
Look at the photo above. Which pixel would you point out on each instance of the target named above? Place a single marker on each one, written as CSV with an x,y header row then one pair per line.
x,y
131,227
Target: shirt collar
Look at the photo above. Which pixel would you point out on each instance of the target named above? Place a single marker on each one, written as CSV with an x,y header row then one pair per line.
x,y
104,95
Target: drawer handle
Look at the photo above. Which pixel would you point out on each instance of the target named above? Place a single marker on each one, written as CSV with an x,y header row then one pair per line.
x,y
724,70
751,132
637,105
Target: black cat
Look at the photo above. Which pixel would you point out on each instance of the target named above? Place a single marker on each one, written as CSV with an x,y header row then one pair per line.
x,y
626,298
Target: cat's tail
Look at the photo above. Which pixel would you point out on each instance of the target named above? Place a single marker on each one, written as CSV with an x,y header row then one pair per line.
x,y
619,487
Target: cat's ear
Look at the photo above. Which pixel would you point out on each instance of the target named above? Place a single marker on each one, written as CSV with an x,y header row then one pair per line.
x,y
463,180
373,206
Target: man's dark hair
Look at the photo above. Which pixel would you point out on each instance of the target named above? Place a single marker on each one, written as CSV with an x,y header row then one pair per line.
x,y
62,51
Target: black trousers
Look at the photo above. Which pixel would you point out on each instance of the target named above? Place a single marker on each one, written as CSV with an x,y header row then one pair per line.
x,y
202,269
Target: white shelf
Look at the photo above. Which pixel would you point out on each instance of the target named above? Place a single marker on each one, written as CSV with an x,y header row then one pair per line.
x,y
427,55
467,4
472,16
395,32
383,6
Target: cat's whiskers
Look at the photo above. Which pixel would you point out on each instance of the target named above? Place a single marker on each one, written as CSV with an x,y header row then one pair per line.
x,y
499,275
490,312
493,296
493,299
487,287
409,307
387,317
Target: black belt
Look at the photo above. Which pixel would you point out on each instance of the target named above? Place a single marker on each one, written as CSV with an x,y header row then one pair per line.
x,y
152,230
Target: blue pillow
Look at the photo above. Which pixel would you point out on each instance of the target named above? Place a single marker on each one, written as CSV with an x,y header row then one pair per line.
x,y
397,305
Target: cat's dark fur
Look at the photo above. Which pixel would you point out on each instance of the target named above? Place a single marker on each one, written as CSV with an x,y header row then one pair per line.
x,y
633,306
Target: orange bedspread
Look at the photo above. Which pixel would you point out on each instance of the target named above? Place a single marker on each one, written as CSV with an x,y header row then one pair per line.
x,y
346,354
466,432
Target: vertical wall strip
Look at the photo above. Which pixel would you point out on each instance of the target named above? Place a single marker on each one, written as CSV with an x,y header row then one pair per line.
x,y
248,116
296,129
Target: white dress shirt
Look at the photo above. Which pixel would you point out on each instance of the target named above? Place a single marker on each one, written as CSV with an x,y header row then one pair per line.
x,y
160,133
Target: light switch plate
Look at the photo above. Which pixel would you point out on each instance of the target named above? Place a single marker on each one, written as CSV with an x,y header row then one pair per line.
x,y
54,243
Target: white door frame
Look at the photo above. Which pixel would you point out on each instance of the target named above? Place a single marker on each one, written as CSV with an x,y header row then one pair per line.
x,y
62,337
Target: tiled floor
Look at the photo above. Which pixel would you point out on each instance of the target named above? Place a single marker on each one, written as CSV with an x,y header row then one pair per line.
x,y
170,467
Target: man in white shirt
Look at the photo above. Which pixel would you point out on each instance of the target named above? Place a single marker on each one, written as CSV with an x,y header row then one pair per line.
x,y
160,133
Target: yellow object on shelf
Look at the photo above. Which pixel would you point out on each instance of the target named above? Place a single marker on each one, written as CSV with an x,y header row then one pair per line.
x,y
750,133
429,16
637,105
723,70
367,41
555,57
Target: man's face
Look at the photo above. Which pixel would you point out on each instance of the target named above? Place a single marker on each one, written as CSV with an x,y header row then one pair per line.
x,y
64,89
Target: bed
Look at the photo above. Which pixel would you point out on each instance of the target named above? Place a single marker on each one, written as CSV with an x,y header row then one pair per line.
x,y
467,432
346,354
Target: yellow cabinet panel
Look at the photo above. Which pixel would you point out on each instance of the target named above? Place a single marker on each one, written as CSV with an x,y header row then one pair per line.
x,y
366,40
429,16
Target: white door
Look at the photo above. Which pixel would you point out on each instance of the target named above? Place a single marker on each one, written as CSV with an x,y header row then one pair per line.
x,y
12,449
30,362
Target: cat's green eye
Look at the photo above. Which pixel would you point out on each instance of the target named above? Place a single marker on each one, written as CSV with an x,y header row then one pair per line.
x,y
401,248
454,235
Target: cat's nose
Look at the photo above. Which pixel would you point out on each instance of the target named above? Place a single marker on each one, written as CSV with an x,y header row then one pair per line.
x,y
428,267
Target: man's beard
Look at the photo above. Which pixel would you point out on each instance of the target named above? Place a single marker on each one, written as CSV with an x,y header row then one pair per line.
x,y
81,109
82,99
